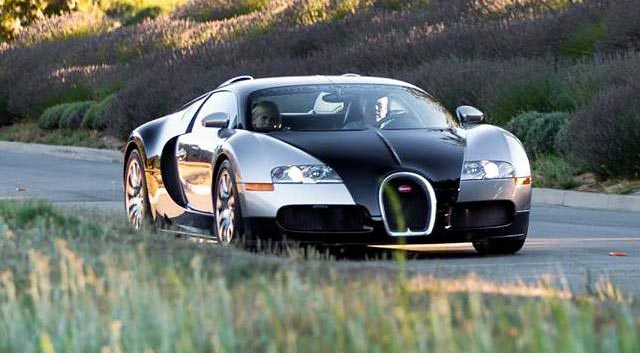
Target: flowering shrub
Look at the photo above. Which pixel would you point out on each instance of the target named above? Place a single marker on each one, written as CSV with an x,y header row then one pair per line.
x,y
505,56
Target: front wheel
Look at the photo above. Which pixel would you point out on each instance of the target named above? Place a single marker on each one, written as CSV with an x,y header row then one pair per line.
x,y
135,191
227,227
498,246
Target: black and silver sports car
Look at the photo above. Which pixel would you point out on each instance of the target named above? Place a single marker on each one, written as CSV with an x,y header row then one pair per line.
x,y
331,159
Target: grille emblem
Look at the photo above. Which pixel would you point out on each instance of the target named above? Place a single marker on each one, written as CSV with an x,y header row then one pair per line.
x,y
404,189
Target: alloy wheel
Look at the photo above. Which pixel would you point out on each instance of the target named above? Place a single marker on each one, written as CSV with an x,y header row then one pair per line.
x,y
135,194
225,208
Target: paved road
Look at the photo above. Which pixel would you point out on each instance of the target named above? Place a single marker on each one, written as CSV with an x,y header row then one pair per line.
x,y
572,243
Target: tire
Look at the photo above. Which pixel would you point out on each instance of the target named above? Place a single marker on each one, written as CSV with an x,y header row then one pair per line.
x,y
227,225
136,199
497,246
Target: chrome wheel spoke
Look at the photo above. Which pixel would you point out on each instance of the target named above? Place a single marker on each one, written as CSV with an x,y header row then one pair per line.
x,y
134,194
225,208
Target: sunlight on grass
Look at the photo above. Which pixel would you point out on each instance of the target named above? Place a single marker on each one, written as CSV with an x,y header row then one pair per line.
x,y
74,285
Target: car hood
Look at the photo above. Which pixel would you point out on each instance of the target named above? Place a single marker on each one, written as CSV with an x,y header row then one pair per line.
x,y
363,158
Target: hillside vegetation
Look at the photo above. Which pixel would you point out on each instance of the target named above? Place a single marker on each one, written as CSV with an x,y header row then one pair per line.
x,y
528,60
82,283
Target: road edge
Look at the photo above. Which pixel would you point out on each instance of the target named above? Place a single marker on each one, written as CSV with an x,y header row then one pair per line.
x,y
581,199
568,198
72,152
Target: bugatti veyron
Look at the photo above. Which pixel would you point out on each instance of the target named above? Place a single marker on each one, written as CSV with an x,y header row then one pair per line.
x,y
330,159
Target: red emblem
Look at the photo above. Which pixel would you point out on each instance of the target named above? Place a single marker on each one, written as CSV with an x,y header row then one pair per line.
x,y
404,189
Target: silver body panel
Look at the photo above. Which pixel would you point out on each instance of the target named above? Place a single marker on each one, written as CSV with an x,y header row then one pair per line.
x,y
496,189
488,142
267,204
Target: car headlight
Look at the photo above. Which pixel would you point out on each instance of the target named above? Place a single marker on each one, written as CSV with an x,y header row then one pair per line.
x,y
478,170
304,174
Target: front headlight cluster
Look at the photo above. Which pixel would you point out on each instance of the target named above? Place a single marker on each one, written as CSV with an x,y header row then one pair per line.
x,y
478,170
304,174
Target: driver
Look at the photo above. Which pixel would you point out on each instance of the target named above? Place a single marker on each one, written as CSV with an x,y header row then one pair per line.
x,y
265,116
368,112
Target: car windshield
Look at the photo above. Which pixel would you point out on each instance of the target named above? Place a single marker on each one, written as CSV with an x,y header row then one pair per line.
x,y
345,107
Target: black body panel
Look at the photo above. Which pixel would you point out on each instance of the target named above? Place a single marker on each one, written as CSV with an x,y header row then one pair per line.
x,y
363,158
268,229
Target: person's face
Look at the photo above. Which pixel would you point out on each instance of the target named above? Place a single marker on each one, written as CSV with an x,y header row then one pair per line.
x,y
376,110
382,108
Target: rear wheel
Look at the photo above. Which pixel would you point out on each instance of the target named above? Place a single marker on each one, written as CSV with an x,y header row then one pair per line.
x,y
499,246
228,221
135,191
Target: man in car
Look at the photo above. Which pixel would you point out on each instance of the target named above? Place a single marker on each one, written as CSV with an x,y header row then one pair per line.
x,y
367,112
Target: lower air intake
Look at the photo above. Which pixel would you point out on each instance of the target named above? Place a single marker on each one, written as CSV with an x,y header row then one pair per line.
x,y
331,219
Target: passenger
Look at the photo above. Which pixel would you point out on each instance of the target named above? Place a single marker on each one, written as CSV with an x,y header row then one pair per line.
x,y
265,116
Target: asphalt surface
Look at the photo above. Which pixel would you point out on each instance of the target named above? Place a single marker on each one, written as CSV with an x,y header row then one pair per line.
x,y
571,245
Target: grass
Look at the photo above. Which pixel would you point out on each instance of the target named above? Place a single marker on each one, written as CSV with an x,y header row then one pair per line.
x,y
30,132
86,283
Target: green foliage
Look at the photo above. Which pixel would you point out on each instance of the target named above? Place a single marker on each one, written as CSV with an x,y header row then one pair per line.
x,y
15,14
50,118
575,86
73,114
551,171
524,92
69,94
96,116
248,6
129,14
582,41
538,131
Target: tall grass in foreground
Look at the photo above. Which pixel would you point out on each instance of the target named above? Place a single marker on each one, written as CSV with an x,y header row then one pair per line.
x,y
69,285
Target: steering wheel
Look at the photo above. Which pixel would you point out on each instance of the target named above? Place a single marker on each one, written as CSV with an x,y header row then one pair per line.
x,y
393,117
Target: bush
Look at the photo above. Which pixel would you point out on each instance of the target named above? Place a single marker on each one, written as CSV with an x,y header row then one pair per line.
x,y
551,171
605,134
519,92
581,42
538,131
50,118
73,114
96,116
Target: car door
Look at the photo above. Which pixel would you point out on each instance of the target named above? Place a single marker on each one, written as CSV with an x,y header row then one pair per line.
x,y
196,148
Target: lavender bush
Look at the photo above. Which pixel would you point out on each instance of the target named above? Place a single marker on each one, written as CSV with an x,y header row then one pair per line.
x,y
505,56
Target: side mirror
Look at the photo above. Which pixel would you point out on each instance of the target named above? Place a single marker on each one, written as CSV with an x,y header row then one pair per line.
x,y
219,120
468,115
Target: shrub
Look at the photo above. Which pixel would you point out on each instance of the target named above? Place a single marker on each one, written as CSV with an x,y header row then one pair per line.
x,y
63,27
581,42
73,114
605,134
623,27
50,118
517,92
96,116
538,131
550,171
6,117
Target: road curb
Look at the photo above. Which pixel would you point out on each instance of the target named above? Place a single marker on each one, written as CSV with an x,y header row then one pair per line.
x,y
569,198
72,152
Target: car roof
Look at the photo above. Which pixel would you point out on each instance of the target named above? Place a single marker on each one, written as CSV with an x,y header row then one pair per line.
x,y
248,86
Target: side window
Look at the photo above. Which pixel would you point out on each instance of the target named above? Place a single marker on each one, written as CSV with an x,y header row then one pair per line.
x,y
218,102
